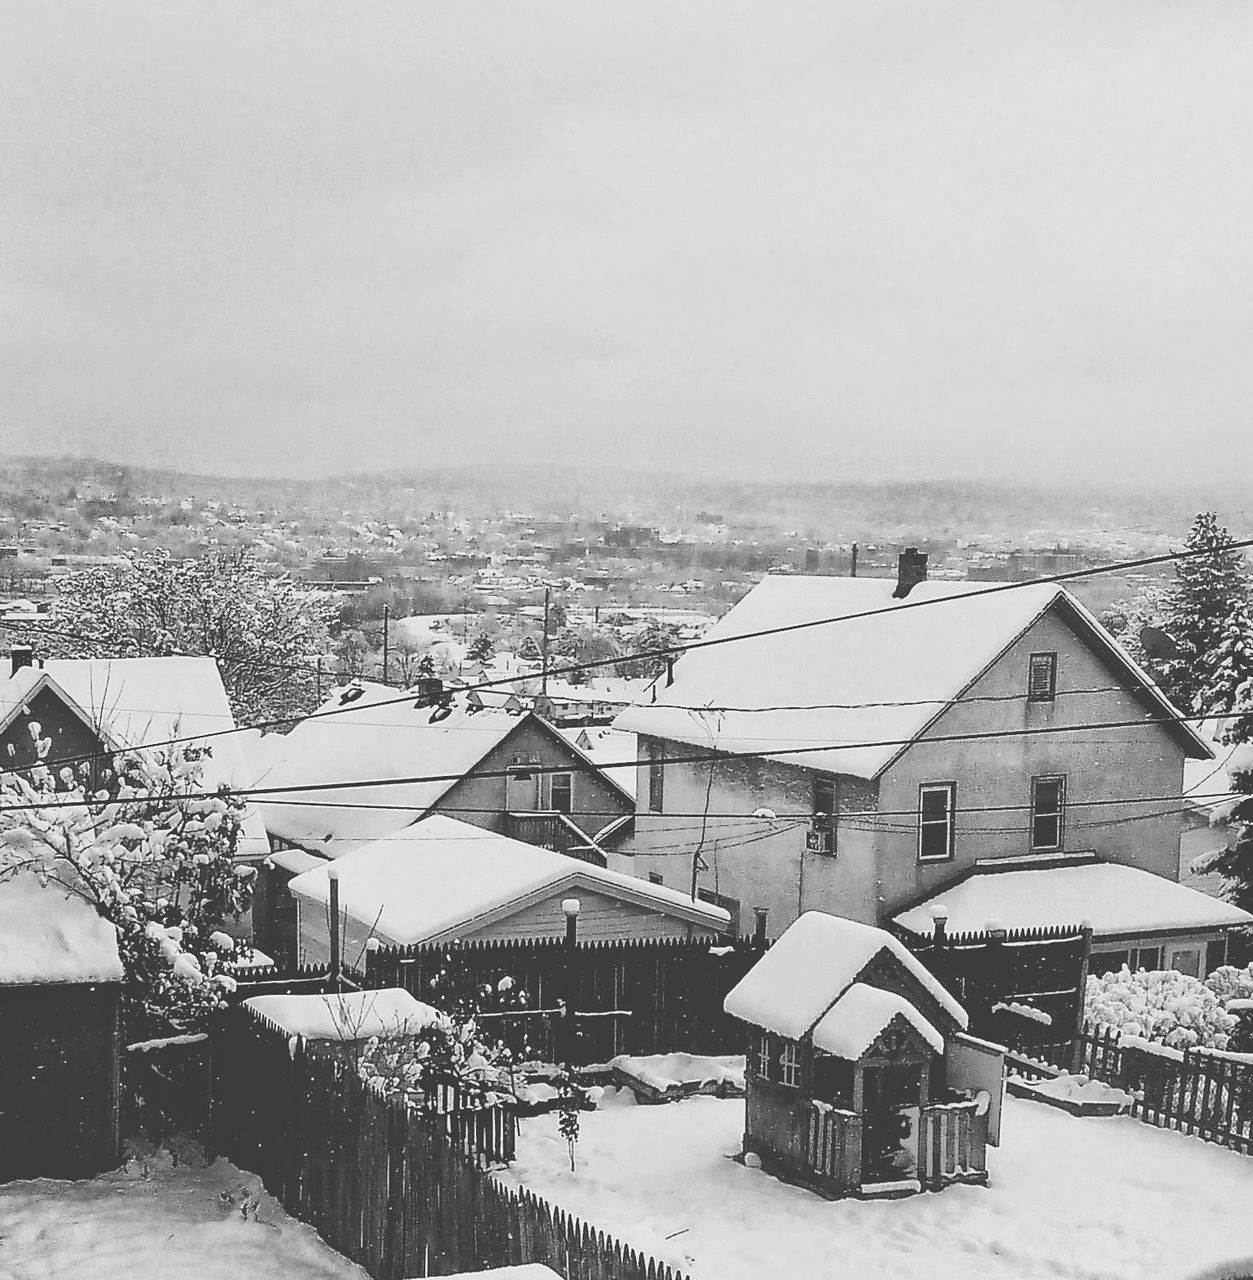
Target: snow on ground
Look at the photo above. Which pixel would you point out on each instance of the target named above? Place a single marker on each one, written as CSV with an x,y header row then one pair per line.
x,y
170,1224
1070,1197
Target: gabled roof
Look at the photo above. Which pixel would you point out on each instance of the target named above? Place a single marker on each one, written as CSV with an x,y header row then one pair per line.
x,y
377,734
50,935
441,877
856,1020
348,1015
1118,901
25,684
818,958
148,701
880,680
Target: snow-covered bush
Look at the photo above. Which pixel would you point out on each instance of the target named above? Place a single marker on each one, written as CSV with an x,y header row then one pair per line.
x,y
1229,983
1166,1006
446,1051
153,852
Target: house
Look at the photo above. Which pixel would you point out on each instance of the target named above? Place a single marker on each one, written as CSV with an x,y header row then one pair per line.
x,y
514,774
1138,919
60,1000
860,744
441,879
91,706
859,1075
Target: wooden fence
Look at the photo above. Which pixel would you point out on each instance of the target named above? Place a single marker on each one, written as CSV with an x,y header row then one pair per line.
x,y
1197,1091
394,1188
636,997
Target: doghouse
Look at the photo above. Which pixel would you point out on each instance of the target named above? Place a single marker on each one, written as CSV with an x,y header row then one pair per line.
x,y
860,1078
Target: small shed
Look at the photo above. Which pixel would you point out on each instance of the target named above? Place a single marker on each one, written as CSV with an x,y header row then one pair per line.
x,y
860,1078
60,1001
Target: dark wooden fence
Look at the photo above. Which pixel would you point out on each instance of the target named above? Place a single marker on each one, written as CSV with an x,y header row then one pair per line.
x,y
1044,969
640,997
1196,1091
401,1191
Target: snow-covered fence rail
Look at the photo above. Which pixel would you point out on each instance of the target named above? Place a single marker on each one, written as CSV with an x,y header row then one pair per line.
x,y
952,1144
666,994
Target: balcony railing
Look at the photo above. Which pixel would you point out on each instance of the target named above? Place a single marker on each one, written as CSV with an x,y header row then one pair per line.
x,y
549,829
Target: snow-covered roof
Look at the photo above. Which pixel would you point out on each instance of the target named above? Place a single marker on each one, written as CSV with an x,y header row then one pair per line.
x,y
823,676
812,965
1211,786
350,1015
613,751
149,701
49,934
1117,900
25,684
853,1023
441,876
381,734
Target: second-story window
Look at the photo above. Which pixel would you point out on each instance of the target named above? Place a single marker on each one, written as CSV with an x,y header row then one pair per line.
x,y
825,803
656,776
937,803
560,792
1048,802
1042,677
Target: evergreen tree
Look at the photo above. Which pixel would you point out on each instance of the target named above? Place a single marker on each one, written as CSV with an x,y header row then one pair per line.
x,y
480,649
529,650
1207,591
1230,667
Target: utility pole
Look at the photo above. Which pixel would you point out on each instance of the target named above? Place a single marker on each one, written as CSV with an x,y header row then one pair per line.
x,y
387,617
543,679
319,679
853,574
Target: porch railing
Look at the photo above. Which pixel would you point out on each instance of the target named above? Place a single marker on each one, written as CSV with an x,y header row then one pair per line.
x,y
834,1148
549,829
952,1144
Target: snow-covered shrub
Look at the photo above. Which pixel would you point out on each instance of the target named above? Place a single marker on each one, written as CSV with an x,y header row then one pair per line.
x,y
446,1051
1229,983
153,852
1166,1006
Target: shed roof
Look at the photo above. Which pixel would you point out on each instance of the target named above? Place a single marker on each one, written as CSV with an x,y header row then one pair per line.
x,y
350,1015
1117,900
848,697
49,934
812,965
439,876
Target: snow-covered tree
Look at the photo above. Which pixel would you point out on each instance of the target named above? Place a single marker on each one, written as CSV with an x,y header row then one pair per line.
x,y
1208,590
154,854
481,648
529,650
262,628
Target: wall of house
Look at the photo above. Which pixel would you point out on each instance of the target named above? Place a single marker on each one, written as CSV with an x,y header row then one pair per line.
x,y
757,862
70,736
484,800
1099,765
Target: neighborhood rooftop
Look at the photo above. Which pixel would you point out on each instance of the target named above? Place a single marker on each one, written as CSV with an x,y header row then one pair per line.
x,y
49,934
846,697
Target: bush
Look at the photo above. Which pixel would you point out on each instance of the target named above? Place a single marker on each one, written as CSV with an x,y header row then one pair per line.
x,y
1166,1006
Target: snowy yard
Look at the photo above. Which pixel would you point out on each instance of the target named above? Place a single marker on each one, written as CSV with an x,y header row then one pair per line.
x,y
171,1223
1069,1198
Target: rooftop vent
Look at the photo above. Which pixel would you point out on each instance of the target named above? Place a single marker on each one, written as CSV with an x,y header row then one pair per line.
x,y
22,655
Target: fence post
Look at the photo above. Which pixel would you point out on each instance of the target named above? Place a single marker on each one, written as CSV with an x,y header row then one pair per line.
x,y
1081,998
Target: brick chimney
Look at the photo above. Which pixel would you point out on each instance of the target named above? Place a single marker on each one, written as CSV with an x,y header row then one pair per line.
x,y
911,569
21,655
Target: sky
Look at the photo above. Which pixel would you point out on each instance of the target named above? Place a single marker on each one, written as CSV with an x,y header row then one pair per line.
x,y
836,239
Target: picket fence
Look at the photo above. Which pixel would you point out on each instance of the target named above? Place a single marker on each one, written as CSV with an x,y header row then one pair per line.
x,y
403,1192
1200,1092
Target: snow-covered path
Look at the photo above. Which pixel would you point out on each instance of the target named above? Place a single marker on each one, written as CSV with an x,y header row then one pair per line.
x,y
170,1224
1069,1198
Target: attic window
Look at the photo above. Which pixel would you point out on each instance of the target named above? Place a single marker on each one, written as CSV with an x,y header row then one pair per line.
x,y
1042,677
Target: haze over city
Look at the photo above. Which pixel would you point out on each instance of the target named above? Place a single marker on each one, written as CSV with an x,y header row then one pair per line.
x,y
858,241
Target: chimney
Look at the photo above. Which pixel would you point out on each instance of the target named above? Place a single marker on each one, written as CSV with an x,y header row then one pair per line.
x,y
22,655
911,569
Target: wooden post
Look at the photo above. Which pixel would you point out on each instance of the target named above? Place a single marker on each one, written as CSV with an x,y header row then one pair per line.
x,y
1076,1060
571,906
333,875
387,617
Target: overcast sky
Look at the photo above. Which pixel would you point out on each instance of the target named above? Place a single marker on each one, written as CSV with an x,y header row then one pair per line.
x,y
866,239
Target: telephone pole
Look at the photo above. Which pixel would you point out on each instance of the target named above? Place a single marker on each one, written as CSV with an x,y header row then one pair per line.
x,y
543,679
387,615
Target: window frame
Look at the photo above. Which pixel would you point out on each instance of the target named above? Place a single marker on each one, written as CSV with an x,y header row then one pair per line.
x,y
1059,816
949,789
568,777
790,1064
656,776
1036,659
765,1059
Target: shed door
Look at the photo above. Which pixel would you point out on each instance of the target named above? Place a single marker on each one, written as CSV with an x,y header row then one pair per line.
x,y
891,1102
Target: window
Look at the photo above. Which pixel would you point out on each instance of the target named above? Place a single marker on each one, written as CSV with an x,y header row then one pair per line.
x,y
763,1056
656,776
1149,958
790,1063
1048,799
1042,678
730,905
936,804
825,804
654,877
560,791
